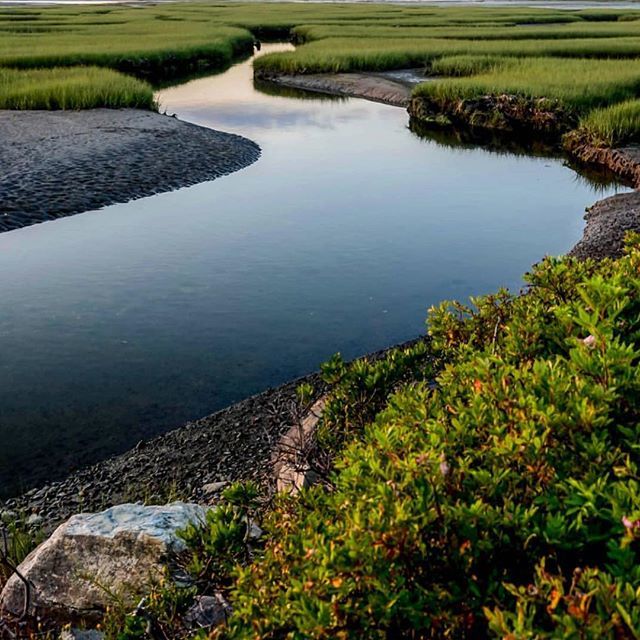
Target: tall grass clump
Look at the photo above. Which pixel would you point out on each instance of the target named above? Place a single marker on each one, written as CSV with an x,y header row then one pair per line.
x,y
375,54
465,65
72,88
503,501
613,125
576,83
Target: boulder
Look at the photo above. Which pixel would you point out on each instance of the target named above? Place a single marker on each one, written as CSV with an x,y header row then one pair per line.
x,y
81,634
92,560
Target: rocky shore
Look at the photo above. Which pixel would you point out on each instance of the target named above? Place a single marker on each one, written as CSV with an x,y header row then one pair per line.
x,y
192,462
58,163
188,463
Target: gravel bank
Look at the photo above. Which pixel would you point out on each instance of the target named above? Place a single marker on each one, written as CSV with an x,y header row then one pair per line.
x,y
57,163
236,443
233,444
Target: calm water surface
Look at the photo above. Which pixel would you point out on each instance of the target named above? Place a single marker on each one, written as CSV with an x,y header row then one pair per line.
x,y
122,323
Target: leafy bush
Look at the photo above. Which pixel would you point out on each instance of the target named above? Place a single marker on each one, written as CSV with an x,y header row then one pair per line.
x,y
504,502
224,539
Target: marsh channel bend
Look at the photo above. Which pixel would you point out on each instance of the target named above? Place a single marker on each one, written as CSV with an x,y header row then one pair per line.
x,y
119,324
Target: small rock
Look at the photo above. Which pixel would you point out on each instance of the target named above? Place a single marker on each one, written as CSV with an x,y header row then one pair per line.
x,y
34,520
207,611
81,634
255,532
212,488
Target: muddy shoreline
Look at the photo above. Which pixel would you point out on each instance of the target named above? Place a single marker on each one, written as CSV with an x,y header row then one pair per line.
x,y
59,163
392,88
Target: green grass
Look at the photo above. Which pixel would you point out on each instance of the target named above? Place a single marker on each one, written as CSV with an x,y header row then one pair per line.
x,y
576,83
72,88
613,125
356,54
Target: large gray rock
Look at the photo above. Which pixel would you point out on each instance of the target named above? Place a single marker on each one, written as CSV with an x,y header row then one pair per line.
x,y
93,558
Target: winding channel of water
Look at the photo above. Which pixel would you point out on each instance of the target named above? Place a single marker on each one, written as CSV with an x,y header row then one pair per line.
x,y
122,323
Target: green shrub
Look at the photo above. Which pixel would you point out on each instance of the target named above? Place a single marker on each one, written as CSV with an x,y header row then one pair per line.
x,y
504,502
72,88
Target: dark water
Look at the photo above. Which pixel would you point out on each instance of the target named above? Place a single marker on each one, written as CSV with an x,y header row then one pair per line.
x,y
116,325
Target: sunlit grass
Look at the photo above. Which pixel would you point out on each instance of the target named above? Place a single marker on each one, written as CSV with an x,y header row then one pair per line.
x,y
356,54
576,83
72,88
160,42
616,124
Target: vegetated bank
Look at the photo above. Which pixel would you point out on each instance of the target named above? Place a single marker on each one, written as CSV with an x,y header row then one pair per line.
x,y
482,483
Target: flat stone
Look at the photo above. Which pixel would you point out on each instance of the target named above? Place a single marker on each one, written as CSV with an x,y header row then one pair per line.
x,y
96,557
291,470
212,488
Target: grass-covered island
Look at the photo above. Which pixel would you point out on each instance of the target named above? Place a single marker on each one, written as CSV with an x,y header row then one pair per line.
x,y
483,482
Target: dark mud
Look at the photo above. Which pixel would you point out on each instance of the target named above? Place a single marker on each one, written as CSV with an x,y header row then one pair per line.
x,y
58,163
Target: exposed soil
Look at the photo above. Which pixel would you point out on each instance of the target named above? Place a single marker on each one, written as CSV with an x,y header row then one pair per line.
x,y
58,163
622,161
509,113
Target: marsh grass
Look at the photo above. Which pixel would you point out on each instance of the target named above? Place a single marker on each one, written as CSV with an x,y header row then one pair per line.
x,y
569,56
613,125
72,88
576,83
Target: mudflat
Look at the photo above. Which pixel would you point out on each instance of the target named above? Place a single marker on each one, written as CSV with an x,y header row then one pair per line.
x,y
58,163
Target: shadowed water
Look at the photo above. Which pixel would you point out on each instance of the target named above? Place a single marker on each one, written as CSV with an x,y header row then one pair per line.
x,y
122,323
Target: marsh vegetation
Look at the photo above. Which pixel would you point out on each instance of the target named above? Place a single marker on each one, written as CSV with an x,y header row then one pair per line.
x,y
571,57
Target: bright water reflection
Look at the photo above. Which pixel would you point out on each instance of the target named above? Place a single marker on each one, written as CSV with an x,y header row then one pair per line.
x,y
121,323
